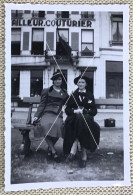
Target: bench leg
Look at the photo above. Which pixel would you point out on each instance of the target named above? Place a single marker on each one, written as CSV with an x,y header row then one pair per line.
x,y
25,146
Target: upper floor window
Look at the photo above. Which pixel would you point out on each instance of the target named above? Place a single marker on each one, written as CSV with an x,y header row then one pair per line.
x,y
87,15
37,41
62,42
17,14
15,41
38,14
117,29
62,14
87,43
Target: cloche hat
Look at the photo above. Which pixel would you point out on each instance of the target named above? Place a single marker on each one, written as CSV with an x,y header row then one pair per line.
x,y
56,75
81,77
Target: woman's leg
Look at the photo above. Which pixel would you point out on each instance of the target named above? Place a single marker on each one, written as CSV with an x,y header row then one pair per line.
x,y
50,144
84,154
83,158
74,147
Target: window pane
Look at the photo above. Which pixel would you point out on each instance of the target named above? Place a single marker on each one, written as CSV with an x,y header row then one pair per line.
x,y
65,14
41,14
37,35
16,35
87,36
63,34
120,34
87,47
15,48
117,18
37,48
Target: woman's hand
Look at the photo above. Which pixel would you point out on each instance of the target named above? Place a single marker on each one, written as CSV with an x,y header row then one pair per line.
x,y
35,120
78,111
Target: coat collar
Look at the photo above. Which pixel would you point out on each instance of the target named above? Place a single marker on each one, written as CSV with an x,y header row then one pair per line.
x,y
62,94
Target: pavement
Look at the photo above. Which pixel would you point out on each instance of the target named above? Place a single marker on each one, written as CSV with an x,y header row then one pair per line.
x,y
105,164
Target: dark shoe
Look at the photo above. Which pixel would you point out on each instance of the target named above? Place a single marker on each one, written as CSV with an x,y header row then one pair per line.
x,y
82,164
49,154
56,158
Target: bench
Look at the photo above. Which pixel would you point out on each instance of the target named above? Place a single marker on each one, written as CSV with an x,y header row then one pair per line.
x,y
26,128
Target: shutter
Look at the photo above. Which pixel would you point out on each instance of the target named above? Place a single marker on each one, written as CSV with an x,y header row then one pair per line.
x,y
50,41
25,40
75,41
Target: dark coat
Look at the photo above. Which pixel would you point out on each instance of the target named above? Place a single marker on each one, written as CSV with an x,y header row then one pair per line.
x,y
51,101
75,124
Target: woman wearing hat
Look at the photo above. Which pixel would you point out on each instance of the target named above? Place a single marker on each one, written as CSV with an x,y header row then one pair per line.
x,y
52,100
80,125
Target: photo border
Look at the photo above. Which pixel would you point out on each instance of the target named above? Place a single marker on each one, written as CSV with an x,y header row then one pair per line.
x,y
60,7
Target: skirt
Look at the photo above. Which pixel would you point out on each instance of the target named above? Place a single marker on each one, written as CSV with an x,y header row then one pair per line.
x,y
87,131
51,125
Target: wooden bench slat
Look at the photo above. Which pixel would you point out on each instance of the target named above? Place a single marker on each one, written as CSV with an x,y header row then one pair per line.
x,y
23,126
111,102
33,100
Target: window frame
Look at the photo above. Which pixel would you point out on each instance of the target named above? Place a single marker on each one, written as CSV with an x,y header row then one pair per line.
x,y
113,42
34,52
17,42
91,52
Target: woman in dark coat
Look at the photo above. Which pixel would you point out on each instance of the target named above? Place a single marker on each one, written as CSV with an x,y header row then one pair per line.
x,y
49,110
80,125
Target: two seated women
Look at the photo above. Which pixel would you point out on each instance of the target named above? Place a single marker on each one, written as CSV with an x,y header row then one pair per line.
x,y
79,124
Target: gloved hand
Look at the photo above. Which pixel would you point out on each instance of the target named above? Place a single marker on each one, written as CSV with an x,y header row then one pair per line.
x,y
35,121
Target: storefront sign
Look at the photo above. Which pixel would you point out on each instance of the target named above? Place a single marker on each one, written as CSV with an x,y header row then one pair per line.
x,y
60,22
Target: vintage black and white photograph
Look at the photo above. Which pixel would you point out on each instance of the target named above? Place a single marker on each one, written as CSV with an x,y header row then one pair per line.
x,y
67,101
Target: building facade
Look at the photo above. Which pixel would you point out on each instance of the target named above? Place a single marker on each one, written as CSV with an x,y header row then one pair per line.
x,y
42,42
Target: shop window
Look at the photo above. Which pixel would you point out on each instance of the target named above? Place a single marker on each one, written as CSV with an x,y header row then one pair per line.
x,y
15,41
114,80
17,14
62,45
87,44
117,30
15,79
37,42
62,14
36,81
87,15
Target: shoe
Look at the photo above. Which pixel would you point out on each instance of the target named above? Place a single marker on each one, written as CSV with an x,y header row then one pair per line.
x,y
70,157
82,164
56,158
49,154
